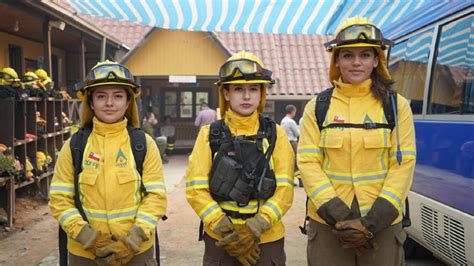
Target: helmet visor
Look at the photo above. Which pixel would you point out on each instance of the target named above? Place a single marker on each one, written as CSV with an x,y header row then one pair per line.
x,y
248,69
28,79
109,72
359,33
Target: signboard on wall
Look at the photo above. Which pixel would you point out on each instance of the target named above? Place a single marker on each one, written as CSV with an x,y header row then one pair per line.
x,y
182,79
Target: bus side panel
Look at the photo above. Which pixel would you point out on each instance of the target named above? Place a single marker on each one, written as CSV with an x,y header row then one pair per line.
x,y
446,232
441,202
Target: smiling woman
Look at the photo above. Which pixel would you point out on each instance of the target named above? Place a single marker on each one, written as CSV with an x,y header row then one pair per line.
x,y
110,103
107,192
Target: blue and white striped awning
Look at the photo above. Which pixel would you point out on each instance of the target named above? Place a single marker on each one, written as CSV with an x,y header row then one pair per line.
x,y
264,16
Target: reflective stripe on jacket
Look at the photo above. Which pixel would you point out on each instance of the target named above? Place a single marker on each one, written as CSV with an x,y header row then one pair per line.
x,y
348,162
210,211
109,187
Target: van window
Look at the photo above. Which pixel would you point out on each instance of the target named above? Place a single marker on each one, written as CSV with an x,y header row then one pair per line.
x,y
452,88
408,66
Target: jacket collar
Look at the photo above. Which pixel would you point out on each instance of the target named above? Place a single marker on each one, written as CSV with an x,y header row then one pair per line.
x,y
354,90
102,128
241,125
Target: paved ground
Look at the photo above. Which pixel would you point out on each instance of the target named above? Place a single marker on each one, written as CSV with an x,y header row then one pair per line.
x,y
34,240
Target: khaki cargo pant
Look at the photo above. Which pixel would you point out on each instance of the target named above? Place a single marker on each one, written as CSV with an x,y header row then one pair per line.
x,y
272,253
142,259
324,248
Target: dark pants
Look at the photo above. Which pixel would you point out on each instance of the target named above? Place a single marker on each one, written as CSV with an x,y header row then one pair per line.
x,y
324,248
272,253
142,259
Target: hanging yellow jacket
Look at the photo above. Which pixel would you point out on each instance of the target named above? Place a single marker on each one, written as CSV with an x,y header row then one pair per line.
x,y
272,209
109,187
348,162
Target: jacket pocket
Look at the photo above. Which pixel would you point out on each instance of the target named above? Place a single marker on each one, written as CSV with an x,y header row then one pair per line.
x,y
125,177
377,142
88,178
331,142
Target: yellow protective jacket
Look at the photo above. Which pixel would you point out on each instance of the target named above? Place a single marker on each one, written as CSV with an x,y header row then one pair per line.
x,y
109,187
272,210
348,162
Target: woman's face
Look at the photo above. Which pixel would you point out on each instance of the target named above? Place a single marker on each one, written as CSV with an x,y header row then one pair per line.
x,y
244,98
356,63
109,103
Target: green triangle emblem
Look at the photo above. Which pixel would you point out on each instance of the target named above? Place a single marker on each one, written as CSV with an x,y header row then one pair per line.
x,y
367,119
121,157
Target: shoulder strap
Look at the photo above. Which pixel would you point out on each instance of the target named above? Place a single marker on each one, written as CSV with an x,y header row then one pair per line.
x,y
77,146
388,110
139,149
269,129
322,106
218,133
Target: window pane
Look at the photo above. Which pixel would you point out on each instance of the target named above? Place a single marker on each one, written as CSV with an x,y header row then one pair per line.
x,y
170,110
186,106
170,97
408,64
201,97
186,97
452,88
186,111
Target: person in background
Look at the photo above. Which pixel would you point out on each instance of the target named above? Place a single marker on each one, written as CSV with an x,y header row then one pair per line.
x,y
357,162
293,132
206,116
150,122
109,210
242,193
168,130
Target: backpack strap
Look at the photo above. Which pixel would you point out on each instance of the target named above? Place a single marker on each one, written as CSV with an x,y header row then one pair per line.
x,y
219,132
388,110
269,129
322,106
139,149
77,145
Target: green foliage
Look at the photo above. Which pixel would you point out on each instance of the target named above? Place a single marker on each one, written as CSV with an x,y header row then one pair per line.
x,y
6,164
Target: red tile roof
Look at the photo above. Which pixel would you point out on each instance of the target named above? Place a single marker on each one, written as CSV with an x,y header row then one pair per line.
x,y
299,62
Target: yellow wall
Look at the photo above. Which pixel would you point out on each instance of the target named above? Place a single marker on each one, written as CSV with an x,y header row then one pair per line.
x,y
31,50
176,52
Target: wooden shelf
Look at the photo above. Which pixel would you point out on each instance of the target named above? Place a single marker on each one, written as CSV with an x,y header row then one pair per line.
x,y
18,119
35,179
33,99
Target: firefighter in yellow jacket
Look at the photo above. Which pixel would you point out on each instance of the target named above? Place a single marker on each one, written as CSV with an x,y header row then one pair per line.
x,y
121,218
356,166
240,175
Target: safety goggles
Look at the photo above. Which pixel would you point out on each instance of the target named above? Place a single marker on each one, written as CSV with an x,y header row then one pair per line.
x,y
359,33
28,79
109,72
8,77
248,69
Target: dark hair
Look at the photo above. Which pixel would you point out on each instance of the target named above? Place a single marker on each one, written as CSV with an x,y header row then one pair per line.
x,y
290,108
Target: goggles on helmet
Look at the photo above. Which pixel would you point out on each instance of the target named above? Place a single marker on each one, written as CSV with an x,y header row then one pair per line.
x,y
359,33
28,79
109,72
248,69
114,73
8,77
